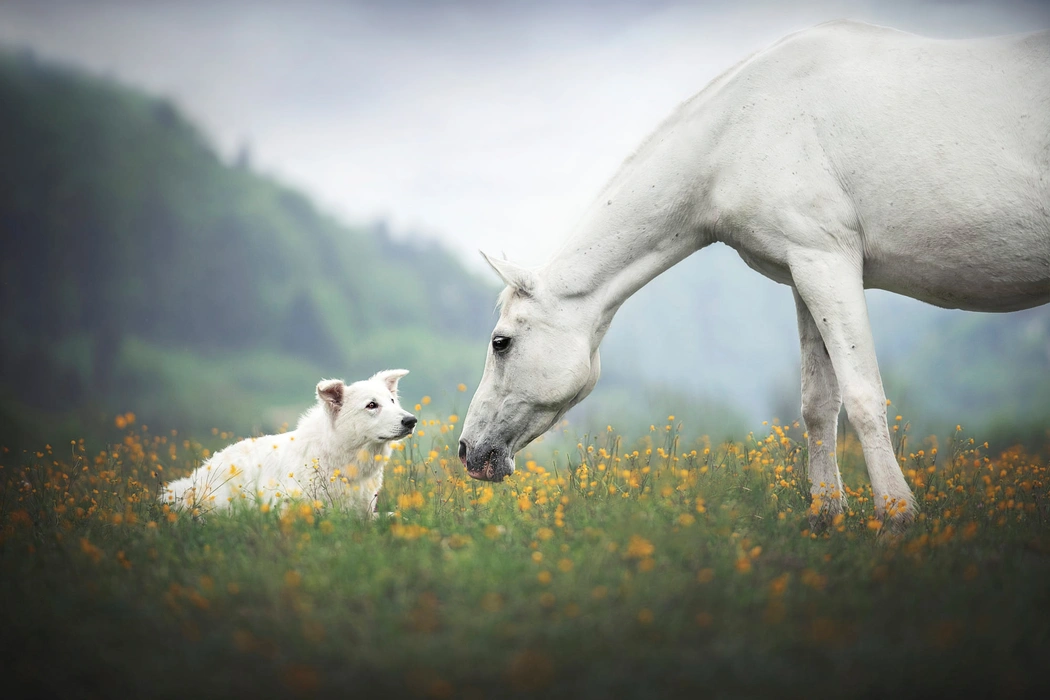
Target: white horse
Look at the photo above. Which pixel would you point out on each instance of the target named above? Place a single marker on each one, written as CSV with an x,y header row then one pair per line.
x,y
842,157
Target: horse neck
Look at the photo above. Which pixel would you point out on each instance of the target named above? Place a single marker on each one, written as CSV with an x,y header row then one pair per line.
x,y
624,241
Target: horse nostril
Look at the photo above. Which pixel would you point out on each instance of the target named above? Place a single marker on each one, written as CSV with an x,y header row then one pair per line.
x,y
462,451
409,421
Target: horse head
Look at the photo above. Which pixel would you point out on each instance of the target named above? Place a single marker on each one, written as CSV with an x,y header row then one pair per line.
x,y
542,360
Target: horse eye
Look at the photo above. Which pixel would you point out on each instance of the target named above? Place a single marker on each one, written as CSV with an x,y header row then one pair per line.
x,y
500,343
371,405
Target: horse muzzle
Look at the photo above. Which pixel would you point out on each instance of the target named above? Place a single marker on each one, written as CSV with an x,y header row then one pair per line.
x,y
485,462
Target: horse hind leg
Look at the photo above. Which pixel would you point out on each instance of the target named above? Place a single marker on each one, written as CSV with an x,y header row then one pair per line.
x,y
832,288
821,402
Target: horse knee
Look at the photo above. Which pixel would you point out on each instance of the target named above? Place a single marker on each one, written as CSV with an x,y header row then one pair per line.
x,y
866,409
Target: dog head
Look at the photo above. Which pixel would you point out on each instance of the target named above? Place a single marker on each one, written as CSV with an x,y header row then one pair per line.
x,y
367,412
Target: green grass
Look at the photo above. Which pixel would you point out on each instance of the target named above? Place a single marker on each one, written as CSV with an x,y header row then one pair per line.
x,y
670,571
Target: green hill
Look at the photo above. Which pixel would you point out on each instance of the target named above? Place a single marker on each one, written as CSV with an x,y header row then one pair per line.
x,y
139,272
990,372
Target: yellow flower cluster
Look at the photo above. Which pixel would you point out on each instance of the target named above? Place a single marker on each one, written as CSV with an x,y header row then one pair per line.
x,y
602,502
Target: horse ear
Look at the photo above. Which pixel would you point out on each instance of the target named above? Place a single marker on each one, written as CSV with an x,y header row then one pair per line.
x,y
520,278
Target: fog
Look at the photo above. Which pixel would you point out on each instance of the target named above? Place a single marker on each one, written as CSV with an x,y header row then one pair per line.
x,y
486,125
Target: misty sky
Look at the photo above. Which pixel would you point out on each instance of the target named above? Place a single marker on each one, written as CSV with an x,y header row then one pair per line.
x,y
485,124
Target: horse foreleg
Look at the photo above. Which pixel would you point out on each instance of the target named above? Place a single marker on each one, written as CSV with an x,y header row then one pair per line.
x,y
831,286
821,401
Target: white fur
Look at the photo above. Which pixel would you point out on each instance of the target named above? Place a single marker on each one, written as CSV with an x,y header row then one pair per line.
x,y
335,454
843,157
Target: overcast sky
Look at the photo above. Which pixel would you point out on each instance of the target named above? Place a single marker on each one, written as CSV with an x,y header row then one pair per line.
x,y
485,124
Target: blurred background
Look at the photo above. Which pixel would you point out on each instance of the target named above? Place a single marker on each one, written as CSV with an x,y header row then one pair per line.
x,y
207,207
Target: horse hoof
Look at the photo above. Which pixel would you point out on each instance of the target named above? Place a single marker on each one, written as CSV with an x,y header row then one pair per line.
x,y
898,523
824,519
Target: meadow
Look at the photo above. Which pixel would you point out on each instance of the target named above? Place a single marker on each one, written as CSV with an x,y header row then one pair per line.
x,y
654,565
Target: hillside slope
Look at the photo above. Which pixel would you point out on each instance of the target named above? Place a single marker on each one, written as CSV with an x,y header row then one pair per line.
x,y
139,272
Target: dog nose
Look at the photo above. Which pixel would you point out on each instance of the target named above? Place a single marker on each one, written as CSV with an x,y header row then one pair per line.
x,y
409,422
462,452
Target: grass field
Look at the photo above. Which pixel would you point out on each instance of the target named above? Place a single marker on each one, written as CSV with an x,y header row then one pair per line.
x,y
663,567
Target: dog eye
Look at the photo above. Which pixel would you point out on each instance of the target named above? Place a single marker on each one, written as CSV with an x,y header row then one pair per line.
x,y
371,405
500,343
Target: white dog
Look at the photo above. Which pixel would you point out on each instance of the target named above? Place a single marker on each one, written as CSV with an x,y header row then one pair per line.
x,y
335,454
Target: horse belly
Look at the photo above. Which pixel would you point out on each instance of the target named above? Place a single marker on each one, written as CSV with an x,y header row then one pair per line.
x,y
995,278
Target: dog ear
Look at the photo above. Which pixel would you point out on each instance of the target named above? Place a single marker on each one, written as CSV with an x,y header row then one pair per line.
x,y
390,377
519,278
330,391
